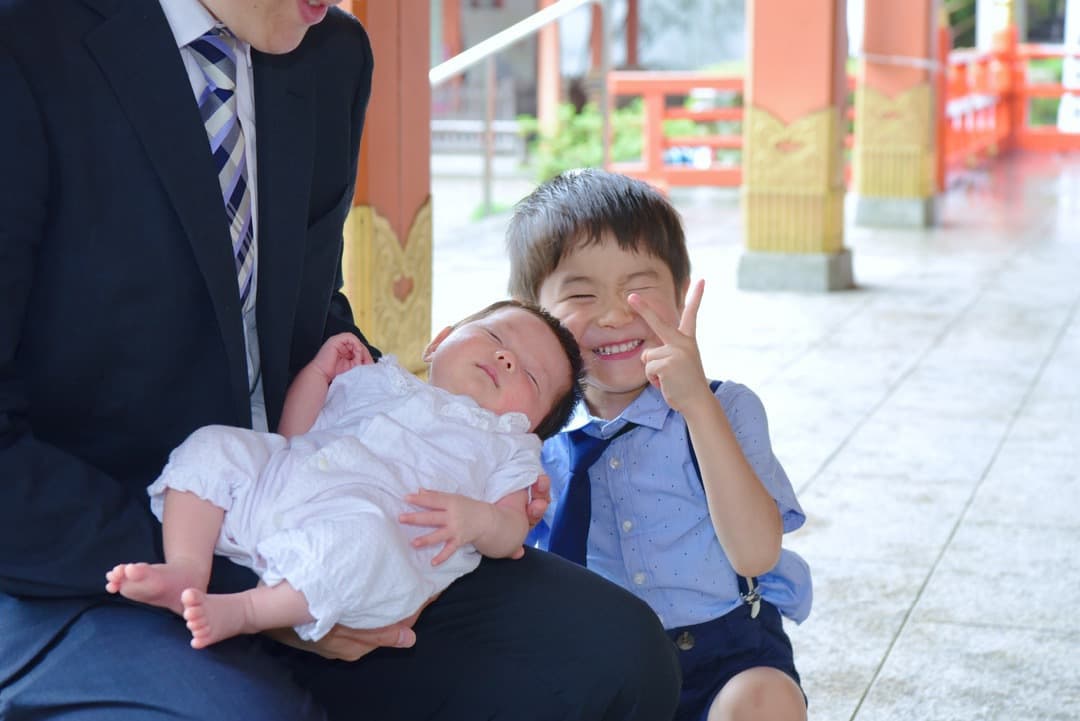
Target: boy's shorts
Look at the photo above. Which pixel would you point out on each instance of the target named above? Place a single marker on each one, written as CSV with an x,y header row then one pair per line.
x,y
713,652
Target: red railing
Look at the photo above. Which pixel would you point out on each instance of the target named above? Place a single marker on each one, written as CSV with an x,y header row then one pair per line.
x,y
1039,137
983,101
655,89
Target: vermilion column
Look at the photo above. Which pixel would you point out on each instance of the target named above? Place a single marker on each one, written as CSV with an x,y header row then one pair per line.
x,y
895,152
793,134
453,41
452,37
596,38
387,263
548,74
632,24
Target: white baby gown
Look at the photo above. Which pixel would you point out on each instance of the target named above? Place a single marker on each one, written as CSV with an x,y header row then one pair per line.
x,y
321,510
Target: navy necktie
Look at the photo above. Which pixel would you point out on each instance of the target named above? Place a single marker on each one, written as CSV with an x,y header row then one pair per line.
x,y
570,527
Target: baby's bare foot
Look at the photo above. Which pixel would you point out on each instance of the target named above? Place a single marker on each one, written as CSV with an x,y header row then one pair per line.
x,y
158,584
214,617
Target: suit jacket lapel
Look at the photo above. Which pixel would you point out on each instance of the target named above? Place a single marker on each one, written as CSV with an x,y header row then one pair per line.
x,y
137,52
286,127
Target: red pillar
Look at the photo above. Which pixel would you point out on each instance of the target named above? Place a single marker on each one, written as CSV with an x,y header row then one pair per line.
x,y
387,262
548,74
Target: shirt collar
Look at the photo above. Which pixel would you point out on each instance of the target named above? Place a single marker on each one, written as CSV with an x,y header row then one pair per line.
x,y
648,409
189,20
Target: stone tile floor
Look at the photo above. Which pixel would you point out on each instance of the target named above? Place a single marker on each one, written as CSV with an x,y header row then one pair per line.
x,y
930,421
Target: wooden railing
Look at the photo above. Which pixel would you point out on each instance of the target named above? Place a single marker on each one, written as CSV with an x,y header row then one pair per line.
x,y
1039,137
655,89
983,109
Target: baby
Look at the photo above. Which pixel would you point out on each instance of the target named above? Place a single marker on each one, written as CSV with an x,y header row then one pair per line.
x,y
317,510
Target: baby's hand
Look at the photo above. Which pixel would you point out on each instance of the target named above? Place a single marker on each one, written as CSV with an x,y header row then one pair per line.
x,y
340,353
458,520
675,367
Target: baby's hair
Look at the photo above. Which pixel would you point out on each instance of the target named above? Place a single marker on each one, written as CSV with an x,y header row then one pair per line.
x,y
559,414
579,208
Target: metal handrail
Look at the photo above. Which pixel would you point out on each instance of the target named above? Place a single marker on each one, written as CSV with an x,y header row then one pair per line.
x,y
505,38
485,50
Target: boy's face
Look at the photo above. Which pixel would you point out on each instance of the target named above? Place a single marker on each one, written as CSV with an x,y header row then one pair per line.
x,y
507,361
587,291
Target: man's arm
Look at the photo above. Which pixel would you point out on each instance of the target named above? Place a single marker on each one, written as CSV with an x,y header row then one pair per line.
x,y
62,522
340,316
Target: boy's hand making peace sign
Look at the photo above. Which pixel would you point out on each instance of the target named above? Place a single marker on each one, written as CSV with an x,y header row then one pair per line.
x,y
675,367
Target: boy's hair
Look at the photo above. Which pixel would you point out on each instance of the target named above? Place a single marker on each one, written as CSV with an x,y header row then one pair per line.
x,y
559,414
576,209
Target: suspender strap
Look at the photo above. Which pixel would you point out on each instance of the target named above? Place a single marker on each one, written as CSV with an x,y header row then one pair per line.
x,y
749,590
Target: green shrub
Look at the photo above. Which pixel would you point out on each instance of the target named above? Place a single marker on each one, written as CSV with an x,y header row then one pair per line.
x,y
577,142
1043,111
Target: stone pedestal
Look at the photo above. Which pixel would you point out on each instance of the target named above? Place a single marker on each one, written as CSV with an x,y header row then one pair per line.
x,y
805,272
896,212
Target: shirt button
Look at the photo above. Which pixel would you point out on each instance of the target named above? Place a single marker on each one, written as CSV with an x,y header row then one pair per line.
x,y
627,526
685,641
639,578
614,463
323,465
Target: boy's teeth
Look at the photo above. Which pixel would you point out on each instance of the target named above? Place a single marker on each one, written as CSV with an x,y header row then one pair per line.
x,y
619,348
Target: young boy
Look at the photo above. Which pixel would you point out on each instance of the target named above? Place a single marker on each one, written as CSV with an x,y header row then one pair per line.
x,y
315,511
687,506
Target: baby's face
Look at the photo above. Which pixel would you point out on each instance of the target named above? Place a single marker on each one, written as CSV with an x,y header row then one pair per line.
x,y
507,361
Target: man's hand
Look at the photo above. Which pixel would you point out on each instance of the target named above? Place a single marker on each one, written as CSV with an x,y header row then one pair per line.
x,y
349,644
458,520
675,367
340,353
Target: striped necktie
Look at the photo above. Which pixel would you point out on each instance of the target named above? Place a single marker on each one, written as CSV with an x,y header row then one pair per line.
x,y
216,54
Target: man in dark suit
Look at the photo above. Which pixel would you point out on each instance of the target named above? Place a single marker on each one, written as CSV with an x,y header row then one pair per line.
x,y
157,275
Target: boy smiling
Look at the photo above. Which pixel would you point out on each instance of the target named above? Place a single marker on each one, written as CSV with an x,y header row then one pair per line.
x,y
666,484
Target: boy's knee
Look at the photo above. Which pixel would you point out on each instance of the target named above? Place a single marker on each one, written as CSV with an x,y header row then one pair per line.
x,y
762,694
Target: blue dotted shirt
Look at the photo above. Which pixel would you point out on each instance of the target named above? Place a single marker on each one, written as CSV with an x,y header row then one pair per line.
x,y
651,532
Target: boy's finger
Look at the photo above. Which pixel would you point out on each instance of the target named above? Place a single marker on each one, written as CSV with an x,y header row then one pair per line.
x,y
663,330
688,322
541,490
536,510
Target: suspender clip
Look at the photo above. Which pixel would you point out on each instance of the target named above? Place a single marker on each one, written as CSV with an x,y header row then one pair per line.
x,y
752,597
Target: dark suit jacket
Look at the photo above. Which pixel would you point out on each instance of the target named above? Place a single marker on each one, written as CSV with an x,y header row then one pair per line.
x,y
120,323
